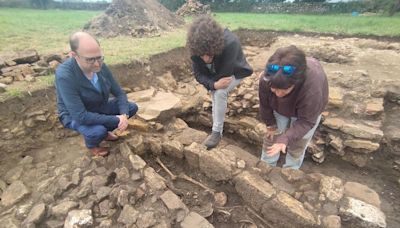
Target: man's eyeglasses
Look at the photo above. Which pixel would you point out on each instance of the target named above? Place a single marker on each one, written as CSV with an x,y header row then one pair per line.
x,y
286,69
91,60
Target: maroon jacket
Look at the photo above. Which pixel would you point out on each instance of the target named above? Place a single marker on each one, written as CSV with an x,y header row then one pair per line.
x,y
306,102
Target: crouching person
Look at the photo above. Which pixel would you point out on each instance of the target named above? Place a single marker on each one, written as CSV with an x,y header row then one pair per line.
x,y
219,65
83,85
293,92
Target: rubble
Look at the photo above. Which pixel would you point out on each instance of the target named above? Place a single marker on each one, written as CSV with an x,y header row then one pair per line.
x,y
193,8
26,66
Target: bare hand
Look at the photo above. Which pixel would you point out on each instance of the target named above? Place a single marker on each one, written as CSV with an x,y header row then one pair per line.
x,y
271,131
276,148
222,83
123,122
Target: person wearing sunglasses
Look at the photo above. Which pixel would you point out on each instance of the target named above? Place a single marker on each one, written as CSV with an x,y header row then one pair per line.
x,y
293,92
219,65
84,85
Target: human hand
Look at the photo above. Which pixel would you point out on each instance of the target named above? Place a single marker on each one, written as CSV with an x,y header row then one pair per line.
x,y
276,148
222,83
269,137
123,122
271,131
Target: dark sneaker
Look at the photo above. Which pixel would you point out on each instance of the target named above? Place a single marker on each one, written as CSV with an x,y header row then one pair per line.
x,y
212,140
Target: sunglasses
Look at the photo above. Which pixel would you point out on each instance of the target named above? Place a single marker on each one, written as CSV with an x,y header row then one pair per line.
x,y
286,69
92,60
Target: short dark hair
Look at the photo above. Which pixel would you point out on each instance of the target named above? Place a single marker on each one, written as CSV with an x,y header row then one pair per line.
x,y
205,37
290,55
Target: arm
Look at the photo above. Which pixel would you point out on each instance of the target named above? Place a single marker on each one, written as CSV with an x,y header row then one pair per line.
x,y
266,111
69,93
201,76
308,112
229,58
119,94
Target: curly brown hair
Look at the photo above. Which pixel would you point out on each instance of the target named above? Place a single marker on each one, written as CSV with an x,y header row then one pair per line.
x,y
290,55
205,37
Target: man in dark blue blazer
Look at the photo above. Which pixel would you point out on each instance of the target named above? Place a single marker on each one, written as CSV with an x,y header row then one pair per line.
x,y
84,84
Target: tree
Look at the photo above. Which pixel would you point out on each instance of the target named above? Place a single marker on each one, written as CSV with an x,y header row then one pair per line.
x,y
40,4
394,8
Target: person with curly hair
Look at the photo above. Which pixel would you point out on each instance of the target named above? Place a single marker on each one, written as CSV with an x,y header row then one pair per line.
x,y
219,65
293,92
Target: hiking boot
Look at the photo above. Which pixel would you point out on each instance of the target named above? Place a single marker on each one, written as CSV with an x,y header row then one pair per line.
x,y
213,140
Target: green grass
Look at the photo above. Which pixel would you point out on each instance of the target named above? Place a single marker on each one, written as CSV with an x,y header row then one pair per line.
x,y
43,30
47,31
24,88
14,93
339,24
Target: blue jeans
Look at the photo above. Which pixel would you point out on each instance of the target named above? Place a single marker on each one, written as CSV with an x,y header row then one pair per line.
x,y
295,153
94,134
220,103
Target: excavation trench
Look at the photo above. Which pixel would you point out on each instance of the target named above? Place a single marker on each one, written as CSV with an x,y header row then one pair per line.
x,y
58,175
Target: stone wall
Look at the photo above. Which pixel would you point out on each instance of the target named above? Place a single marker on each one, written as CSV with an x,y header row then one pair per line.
x,y
311,8
26,65
351,126
125,190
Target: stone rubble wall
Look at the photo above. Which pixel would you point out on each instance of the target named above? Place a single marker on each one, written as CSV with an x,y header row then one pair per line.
x,y
193,7
123,190
307,200
352,124
26,65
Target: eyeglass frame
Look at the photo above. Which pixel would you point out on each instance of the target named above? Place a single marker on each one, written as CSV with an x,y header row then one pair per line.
x,y
285,71
92,60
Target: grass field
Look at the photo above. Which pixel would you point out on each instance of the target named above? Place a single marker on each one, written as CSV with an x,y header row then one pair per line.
x,y
48,30
340,24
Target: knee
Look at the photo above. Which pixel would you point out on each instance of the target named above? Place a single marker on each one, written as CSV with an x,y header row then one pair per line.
x,y
133,108
97,132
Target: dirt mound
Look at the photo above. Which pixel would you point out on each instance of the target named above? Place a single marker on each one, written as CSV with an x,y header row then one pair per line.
x,y
133,18
193,7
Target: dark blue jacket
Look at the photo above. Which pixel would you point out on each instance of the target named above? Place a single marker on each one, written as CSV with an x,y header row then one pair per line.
x,y
79,100
230,62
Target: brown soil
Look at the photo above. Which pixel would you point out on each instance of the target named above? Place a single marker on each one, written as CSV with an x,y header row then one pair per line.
x,y
133,18
380,59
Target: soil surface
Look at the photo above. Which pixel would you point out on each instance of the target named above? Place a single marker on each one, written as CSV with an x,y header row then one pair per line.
x,y
339,56
134,18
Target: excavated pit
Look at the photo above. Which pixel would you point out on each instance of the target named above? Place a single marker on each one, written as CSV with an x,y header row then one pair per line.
x,y
59,175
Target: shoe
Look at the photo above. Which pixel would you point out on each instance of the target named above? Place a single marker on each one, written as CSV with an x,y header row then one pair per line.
x,y
99,151
212,140
111,137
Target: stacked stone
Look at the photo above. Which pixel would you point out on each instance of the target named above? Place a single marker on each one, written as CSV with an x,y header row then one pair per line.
x,y
123,190
352,125
193,7
283,197
120,190
26,65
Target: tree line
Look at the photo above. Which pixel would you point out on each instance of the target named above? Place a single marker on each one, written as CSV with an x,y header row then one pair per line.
x,y
381,6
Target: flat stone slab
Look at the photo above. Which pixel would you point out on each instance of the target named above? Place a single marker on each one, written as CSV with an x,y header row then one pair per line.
x,y
356,213
14,193
162,105
195,220
362,192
